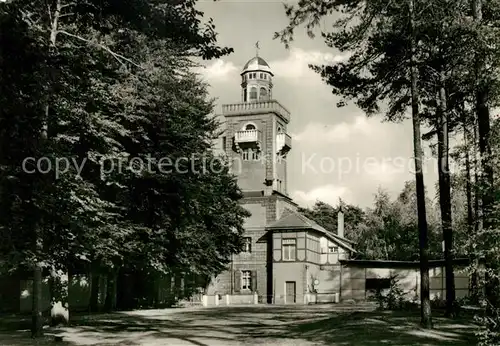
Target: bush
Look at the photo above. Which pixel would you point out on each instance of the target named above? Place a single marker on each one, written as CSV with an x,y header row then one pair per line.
x,y
395,299
489,334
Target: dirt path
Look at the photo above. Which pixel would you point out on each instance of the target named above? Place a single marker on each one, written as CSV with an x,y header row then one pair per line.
x,y
255,325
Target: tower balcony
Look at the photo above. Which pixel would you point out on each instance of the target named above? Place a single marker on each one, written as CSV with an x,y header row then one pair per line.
x,y
256,107
283,143
248,138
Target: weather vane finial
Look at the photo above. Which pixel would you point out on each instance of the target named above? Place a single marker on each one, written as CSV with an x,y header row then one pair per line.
x,y
257,48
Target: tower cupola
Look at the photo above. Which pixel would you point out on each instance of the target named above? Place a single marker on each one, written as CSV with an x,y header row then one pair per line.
x,y
256,80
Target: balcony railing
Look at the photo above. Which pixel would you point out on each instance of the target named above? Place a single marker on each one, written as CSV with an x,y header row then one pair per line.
x,y
283,142
257,107
247,136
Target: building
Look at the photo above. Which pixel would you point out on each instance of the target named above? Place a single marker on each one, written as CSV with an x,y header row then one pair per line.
x,y
284,251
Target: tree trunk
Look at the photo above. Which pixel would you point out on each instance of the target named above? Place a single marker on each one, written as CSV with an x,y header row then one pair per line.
x,y
426,318
445,195
94,290
110,301
487,181
37,317
470,214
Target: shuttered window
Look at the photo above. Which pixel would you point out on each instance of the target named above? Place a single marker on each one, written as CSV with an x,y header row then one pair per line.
x,y
246,280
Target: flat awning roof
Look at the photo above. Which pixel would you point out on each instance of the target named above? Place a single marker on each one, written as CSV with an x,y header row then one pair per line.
x,y
401,264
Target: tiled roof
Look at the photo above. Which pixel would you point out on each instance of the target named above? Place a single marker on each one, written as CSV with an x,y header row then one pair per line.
x,y
294,220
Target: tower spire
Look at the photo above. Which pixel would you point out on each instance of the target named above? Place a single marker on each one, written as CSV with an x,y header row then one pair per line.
x,y
257,48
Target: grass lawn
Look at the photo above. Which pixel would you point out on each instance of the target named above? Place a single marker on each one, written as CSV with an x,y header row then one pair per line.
x,y
249,325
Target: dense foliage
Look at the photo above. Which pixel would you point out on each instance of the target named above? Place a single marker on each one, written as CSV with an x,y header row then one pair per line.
x,y
105,89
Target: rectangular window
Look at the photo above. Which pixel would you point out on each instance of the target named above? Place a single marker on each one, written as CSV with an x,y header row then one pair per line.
x,y
246,155
333,249
224,142
246,280
247,245
255,155
289,247
261,76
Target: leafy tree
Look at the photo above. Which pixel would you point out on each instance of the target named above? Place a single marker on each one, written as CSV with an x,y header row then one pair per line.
x,y
74,101
326,216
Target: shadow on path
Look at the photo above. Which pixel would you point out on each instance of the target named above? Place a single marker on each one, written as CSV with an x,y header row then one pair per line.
x,y
250,325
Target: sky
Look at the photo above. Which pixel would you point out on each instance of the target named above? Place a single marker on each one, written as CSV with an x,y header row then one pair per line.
x,y
336,152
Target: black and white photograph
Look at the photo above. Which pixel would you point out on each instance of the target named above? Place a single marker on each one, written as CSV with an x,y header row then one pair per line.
x,y
250,172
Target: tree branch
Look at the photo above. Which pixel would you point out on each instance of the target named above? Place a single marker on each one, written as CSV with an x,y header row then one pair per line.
x,y
120,58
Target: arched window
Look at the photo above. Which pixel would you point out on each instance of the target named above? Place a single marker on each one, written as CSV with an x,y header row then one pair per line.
x,y
263,94
279,129
249,127
253,93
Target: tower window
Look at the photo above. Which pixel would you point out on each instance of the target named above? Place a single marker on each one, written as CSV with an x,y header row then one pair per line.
x,y
255,155
250,155
261,76
245,155
254,75
265,76
263,94
253,93
245,95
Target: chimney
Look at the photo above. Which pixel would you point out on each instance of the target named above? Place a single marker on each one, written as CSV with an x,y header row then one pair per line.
x,y
340,222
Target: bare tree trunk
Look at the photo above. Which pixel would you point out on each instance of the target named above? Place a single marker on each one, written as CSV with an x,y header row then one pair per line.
x,y
470,213
36,309
445,195
426,318
487,181
110,300
37,318
94,290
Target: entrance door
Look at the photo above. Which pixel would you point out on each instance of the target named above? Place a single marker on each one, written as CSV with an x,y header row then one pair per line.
x,y
290,292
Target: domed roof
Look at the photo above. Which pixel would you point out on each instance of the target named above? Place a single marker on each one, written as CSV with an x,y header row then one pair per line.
x,y
257,64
